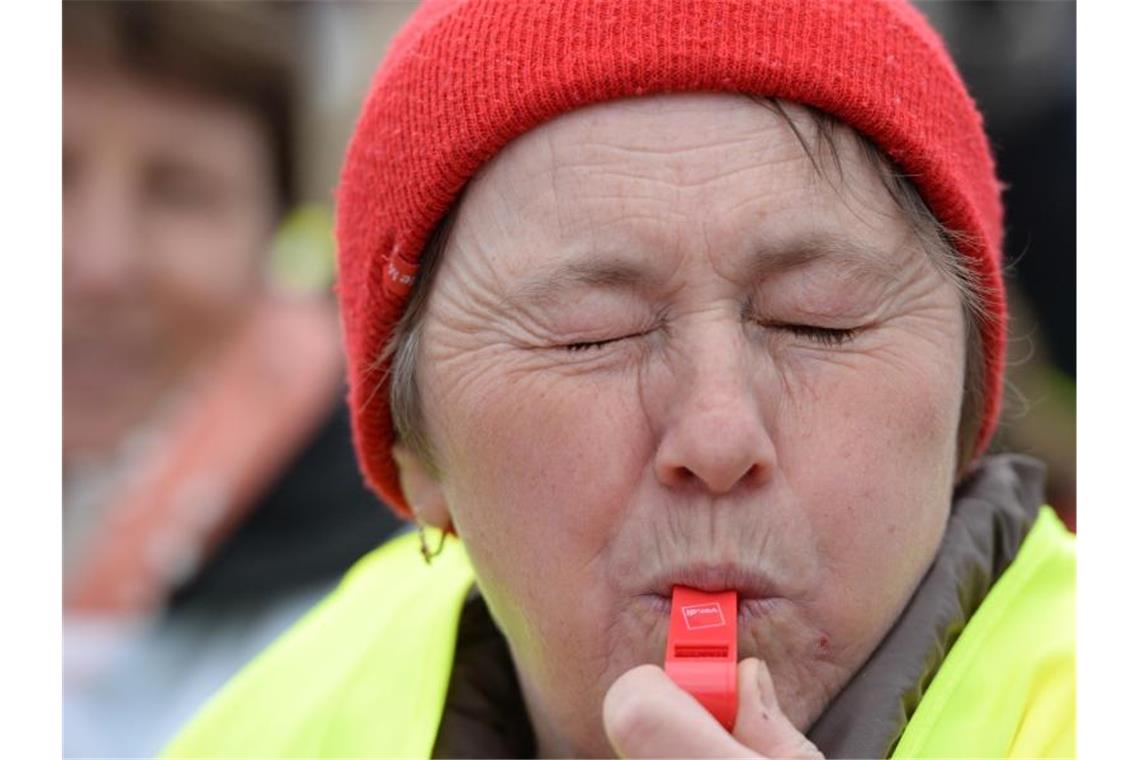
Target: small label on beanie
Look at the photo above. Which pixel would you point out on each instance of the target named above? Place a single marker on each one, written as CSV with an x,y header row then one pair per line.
x,y
398,274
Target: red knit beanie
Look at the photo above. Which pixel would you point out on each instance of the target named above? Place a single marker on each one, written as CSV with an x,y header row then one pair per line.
x,y
464,77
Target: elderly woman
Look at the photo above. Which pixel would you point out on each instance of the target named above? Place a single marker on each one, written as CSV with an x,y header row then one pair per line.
x,y
641,294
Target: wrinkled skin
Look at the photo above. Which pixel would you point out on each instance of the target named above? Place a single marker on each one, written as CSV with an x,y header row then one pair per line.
x,y
168,211
635,371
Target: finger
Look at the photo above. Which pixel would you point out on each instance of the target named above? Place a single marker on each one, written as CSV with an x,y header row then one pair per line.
x,y
647,715
760,723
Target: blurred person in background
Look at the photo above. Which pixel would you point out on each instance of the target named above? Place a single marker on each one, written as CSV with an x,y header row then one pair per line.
x,y
210,493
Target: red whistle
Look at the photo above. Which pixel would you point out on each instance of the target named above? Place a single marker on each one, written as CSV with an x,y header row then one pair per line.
x,y
700,655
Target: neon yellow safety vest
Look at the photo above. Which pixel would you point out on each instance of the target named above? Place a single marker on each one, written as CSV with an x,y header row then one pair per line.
x,y
365,673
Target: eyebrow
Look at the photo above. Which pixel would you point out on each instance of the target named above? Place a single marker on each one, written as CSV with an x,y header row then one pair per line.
x,y
617,274
602,273
854,258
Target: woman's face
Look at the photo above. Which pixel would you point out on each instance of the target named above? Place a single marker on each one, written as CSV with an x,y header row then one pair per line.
x,y
662,349
168,210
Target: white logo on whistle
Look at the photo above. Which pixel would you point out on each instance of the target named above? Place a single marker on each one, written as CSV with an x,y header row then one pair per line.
x,y
699,616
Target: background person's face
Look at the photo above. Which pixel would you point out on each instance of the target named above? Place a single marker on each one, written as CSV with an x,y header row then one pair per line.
x,y
661,349
167,211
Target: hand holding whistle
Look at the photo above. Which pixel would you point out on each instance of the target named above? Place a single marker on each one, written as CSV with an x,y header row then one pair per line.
x,y
704,703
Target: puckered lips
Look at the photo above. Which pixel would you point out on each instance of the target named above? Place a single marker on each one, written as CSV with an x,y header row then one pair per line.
x,y
756,591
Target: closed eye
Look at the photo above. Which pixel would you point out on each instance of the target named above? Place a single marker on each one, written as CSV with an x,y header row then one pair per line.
x,y
587,345
827,336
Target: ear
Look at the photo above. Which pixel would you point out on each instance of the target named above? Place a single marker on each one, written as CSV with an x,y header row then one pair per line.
x,y
422,491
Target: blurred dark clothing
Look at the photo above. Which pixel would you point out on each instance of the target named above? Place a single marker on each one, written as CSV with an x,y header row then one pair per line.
x,y
315,521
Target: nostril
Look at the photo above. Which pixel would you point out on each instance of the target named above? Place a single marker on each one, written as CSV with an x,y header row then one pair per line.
x,y
747,477
751,476
728,478
679,476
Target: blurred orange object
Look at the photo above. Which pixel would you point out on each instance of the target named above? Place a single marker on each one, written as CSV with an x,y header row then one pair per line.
x,y
269,389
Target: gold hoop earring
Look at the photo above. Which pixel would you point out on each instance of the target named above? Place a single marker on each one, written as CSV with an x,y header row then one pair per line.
x,y
427,553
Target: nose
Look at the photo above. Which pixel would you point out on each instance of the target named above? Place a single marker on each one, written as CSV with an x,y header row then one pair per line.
x,y
716,438
100,251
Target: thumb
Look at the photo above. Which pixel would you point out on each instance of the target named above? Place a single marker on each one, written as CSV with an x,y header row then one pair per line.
x,y
647,715
760,723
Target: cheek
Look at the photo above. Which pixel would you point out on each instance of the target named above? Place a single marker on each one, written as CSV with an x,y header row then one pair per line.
x,y
206,271
879,474
208,259
538,471
532,454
